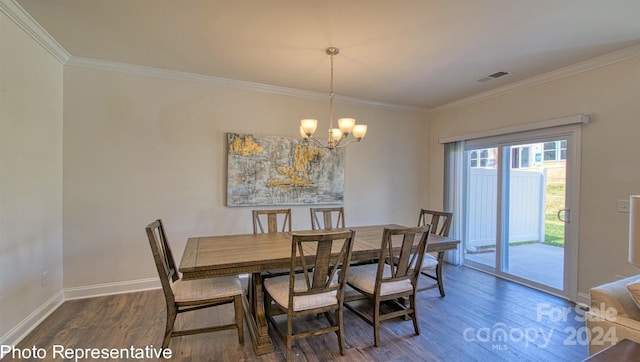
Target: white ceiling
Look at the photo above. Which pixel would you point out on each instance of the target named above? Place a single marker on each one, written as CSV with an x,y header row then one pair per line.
x,y
419,53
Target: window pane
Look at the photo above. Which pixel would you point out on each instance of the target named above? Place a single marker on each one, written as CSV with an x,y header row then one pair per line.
x,y
524,157
514,157
550,151
563,150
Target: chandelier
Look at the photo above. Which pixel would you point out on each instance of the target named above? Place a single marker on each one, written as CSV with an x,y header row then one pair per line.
x,y
338,137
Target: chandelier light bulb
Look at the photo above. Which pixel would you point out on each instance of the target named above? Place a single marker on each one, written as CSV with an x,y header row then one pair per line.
x,y
336,134
359,131
309,126
346,125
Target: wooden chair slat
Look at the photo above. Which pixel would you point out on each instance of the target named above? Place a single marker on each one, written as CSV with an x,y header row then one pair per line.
x,y
327,218
440,222
271,217
396,258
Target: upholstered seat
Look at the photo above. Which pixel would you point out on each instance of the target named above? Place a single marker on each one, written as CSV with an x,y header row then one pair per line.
x,y
363,277
206,289
429,261
279,289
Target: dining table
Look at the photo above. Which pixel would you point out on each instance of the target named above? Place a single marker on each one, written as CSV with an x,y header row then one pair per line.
x,y
258,254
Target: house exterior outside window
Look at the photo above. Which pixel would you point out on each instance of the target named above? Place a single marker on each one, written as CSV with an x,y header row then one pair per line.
x,y
484,158
555,151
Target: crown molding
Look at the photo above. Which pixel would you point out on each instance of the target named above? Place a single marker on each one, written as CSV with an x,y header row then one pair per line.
x,y
20,17
545,77
106,65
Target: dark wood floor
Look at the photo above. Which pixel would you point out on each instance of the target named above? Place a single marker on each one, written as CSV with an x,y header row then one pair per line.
x,y
482,318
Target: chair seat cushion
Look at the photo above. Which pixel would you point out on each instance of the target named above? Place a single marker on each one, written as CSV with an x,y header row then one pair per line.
x,y
363,277
205,289
278,288
429,261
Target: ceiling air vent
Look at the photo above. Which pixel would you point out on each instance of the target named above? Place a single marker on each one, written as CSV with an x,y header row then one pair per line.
x,y
492,76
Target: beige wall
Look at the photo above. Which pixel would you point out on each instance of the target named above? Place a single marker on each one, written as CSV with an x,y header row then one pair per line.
x,y
30,177
138,148
610,164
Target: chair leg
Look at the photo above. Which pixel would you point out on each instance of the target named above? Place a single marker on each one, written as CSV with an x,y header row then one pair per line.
x,y
339,315
168,330
439,279
414,316
376,323
289,336
237,304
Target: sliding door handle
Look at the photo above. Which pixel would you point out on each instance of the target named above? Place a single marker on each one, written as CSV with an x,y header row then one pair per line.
x,y
564,215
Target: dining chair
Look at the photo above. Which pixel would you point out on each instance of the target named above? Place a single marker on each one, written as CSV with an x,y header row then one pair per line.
x,y
389,281
319,288
327,218
188,295
271,218
440,222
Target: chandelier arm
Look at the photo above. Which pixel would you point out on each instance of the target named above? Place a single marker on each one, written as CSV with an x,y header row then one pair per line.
x,y
317,142
340,145
339,142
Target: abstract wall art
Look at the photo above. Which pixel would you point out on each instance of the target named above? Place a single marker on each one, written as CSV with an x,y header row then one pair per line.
x,y
275,170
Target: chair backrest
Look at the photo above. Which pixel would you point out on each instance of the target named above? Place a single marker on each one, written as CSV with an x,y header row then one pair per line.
x,y
327,218
324,253
163,257
271,217
440,221
407,262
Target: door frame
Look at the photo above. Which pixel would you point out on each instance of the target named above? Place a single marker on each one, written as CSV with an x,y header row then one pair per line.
x,y
572,133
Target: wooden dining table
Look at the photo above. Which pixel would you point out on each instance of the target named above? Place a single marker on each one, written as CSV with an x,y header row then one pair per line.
x,y
255,254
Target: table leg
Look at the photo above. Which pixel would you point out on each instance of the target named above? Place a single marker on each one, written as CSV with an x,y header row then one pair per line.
x,y
255,316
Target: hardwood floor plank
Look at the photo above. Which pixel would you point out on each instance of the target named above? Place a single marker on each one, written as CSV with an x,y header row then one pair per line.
x,y
463,326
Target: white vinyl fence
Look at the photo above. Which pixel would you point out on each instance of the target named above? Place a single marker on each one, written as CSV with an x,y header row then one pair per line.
x,y
526,206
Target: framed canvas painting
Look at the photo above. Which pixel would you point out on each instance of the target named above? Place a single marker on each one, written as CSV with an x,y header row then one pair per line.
x,y
275,170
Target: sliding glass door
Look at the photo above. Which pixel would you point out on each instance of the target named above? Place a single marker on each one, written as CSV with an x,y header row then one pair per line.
x,y
517,209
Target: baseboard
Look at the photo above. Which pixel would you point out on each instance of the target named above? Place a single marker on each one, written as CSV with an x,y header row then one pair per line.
x,y
17,333
584,298
99,290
